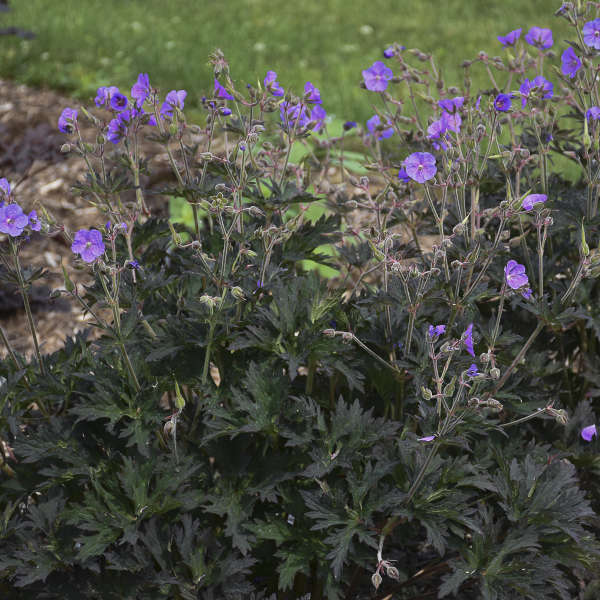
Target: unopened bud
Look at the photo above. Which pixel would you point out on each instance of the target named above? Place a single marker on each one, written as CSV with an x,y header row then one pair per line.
x,y
484,358
169,427
376,580
207,156
393,573
329,333
495,373
238,293
426,393
65,148
458,229
347,337
364,181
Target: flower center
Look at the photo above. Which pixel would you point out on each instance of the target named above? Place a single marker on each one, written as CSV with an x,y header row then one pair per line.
x,y
88,244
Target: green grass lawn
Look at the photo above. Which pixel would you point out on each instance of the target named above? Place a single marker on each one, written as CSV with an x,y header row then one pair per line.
x,y
82,44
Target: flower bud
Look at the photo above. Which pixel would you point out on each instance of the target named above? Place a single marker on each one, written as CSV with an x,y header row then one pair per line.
x,y
347,337
376,580
207,156
65,148
484,358
495,373
458,229
561,416
364,181
392,572
330,333
169,427
426,393
238,293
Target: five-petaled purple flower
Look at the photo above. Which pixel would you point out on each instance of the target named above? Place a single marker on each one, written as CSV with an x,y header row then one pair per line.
x,y
540,38
502,102
141,89
67,120
510,39
591,33
88,244
570,62
593,113
377,76
587,433
34,222
293,116
540,85
373,126
119,102
467,338
221,92
12,220
532,199
311,93
273,85
515,275
436,331
174,99
420,166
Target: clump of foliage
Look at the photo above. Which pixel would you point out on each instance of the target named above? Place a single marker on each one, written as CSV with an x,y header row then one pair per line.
x,y
241,427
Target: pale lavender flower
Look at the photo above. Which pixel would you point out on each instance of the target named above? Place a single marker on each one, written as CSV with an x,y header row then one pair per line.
x,y
34,222
4,187
174,99
373,124
104,94
67,120
515,275
377,76
532,199
273,85
587,433
317,116
88,244
451,105
436,331
420,166
591,33
427,438
12,220
311,93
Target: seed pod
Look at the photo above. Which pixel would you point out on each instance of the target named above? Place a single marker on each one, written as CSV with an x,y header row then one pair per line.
x,y
376,580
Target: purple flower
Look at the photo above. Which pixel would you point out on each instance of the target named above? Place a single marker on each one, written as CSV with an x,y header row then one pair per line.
x,y
5,187
104,94
117,130
570,62
174,99
377,76
311,93
88,244
427,438
420,166
472,370
272,84
478,103
541,85
225,111
591,33
451,105
221,92
515,275
293,116
436,331
373,125
467,338
67,120
532,199
587,433
510,39
526,293
12,220
317,116
119,102
389,52
33,221
403,175
540,38
435,132
348,125
502,102
593,113
141,89
133,264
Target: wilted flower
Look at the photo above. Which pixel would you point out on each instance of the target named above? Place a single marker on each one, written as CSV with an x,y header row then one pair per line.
x,y
67,120
540,38
587,433
273,85
467,338
532,199
141,89
377,76
510,39
12,220
420,166
515,275
374,122
502,102
88,244
436,331
591,33
570,62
